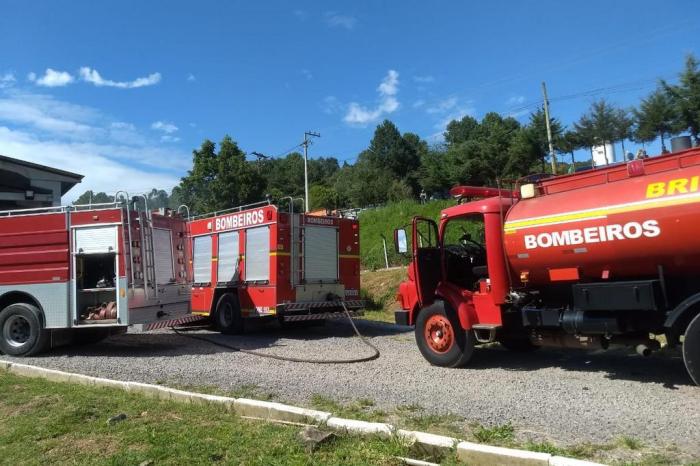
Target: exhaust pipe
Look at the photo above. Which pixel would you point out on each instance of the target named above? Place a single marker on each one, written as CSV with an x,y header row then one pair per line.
x,y
645,349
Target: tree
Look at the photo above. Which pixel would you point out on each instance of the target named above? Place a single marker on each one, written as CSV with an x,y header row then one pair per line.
x,y
391,151
537,133
322,197
686,99
623,126
568,143
220,180
599,126
458,131
655,118
90,197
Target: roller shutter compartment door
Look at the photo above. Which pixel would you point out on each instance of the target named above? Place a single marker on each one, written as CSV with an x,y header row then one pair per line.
x,y
163,250
228,257
201,259
96,240
320,254
257,254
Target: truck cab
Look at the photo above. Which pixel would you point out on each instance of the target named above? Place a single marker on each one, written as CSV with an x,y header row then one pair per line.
x,y
457,277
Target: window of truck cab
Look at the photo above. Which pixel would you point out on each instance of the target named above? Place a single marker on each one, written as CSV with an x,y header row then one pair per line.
x,y
464,246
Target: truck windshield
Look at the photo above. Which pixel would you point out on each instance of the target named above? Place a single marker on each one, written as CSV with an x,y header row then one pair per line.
x,y
463,243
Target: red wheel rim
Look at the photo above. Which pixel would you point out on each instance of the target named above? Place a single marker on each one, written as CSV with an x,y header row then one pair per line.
x,y
438,333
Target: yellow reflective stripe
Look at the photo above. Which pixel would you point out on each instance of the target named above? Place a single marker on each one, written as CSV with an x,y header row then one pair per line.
x,y
279,253
349,256
510,227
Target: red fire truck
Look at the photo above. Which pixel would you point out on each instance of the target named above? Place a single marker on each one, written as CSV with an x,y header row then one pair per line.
x,y
87,271
259,261
592,259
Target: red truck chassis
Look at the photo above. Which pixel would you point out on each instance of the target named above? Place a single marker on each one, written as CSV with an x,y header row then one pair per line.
x,y
597,258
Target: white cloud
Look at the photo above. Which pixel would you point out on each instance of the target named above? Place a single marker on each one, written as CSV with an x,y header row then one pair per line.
x,y
334,19
443,105
102,165
164,126
168,138
331,105
390,84
7,80
306,73
388,88
424,79
91,75
46,114
191,77
111,154
301,15
52,78
515,100
418,103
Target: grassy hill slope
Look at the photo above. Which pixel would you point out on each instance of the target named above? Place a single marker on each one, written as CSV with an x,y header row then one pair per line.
x,y
382,221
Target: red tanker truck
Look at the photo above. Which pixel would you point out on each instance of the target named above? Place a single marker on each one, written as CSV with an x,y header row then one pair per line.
x,y
609,256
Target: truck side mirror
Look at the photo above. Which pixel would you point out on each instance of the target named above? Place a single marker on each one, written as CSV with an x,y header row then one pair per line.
x,y
400,241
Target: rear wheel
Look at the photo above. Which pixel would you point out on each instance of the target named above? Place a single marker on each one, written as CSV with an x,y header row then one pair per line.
x,y
440,338
691,349
21,331
228,317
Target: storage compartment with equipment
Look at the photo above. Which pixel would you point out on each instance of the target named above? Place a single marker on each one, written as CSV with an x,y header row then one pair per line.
x,y
96,282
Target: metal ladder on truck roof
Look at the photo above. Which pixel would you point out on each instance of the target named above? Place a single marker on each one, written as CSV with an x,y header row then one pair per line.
x,y
147,254
297,244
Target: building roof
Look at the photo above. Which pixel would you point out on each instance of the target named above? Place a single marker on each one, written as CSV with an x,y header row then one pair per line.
x,y
67,179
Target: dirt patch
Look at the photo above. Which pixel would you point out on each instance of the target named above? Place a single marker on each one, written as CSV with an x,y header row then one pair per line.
x,y
68,445
379,289
11,410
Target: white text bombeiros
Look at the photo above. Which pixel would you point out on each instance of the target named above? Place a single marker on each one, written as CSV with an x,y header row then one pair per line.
x,y
599,234
244,219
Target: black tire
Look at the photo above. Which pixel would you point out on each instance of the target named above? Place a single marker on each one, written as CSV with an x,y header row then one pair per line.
x,y
691,349
449,345
228,319
21,330
518,345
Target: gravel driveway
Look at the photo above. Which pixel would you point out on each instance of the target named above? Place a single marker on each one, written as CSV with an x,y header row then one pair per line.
x,y
566,396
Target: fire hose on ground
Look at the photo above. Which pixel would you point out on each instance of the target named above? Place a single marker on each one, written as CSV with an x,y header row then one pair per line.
x,y
181,331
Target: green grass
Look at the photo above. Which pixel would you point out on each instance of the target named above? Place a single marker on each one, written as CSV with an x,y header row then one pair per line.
x,y
497,435
43,422
382,221
362,408
379,290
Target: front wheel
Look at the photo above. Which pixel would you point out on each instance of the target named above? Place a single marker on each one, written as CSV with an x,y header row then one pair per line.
x,y
691,349
21,332
228,317
440,338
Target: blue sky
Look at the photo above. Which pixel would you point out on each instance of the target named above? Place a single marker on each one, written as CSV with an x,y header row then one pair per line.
x,y
123,91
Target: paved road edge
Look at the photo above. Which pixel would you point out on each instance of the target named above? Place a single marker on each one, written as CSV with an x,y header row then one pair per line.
x,y
472,453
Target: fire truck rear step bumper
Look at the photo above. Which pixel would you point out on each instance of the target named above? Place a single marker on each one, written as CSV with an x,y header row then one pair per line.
x,y
319,310
321,316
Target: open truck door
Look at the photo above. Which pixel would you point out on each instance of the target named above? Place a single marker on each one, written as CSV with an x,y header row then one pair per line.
x,y
426,259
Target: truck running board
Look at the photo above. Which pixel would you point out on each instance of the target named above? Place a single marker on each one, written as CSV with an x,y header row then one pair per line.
x,y
320,316
485,333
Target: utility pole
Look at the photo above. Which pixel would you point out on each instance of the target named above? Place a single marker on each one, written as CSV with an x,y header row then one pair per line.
x,y
549,129
306,143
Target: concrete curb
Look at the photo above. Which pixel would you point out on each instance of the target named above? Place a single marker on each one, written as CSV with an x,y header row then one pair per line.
x,y
423,442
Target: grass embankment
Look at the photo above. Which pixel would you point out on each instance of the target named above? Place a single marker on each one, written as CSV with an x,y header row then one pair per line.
x,y
379,290
382,221
44,422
